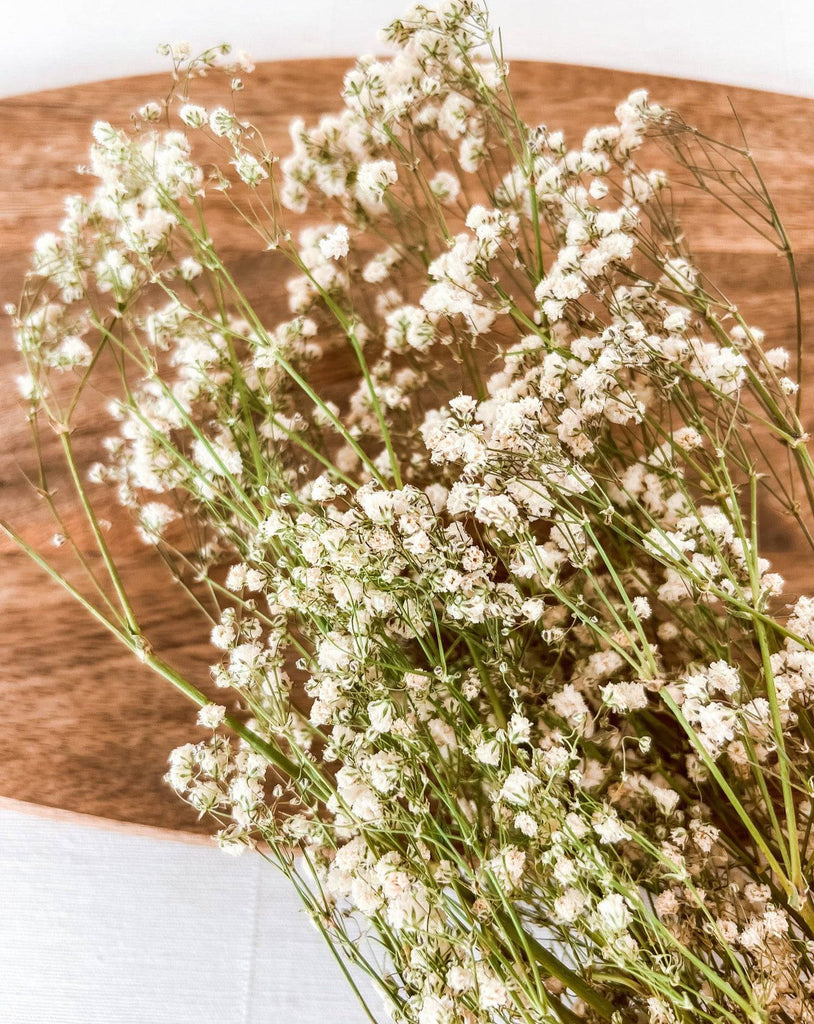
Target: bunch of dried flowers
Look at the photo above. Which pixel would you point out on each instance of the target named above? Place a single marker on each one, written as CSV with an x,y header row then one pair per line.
x,y
517,708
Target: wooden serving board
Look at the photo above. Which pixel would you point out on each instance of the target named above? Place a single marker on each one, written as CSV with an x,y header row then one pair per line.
x,y
85,728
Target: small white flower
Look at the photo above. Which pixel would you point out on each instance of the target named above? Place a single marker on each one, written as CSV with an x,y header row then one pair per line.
x,y
608,827
193,116
150,111
613,913
374,178
222,122
623,697
445,187
526,824
519,729
487,752
211,715
154,518
250,169
519,787
381,716
335,245
570,905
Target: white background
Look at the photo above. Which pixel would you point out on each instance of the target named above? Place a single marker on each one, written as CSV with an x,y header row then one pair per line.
x,y
100,926
764,43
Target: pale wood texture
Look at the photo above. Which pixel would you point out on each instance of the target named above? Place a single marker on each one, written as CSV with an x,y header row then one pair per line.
x,y
86,728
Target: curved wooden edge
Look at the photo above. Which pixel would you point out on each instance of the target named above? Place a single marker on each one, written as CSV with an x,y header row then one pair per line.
x,y
343,63
94,821
85,728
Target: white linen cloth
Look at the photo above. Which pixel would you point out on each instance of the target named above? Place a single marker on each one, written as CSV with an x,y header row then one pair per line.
x,y
99,926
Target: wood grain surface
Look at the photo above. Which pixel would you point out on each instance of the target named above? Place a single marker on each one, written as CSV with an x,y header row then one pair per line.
x,y
87,729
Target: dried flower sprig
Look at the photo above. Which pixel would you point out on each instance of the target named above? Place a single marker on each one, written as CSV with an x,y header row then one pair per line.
x,y
496,612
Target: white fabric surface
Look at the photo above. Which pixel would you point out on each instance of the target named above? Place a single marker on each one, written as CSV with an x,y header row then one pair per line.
x,y
104,927
741,42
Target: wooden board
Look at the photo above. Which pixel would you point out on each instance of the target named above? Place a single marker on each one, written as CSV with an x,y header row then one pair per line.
x,y
87,729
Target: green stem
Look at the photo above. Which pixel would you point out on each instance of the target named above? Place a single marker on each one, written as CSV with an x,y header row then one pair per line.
x,y
729,793
558,970
136,644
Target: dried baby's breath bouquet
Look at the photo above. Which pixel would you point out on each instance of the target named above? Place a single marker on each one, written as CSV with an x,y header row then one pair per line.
x,y
513,699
